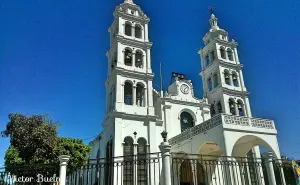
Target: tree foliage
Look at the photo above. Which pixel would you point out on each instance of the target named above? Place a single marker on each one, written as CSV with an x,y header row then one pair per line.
x,y
34,140
74,148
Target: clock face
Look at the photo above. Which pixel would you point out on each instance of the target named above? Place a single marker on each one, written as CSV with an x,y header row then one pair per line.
x,y
184,89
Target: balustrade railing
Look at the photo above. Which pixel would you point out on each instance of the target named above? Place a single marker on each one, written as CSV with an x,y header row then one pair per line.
x,y
224,119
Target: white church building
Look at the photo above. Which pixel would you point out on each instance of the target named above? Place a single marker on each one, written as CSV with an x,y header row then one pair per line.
x,y
219,124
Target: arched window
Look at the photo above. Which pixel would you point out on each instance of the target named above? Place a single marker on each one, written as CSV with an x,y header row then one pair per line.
x,y
230,54
139,59
226,77
138,31
209,84
186,121
207,61
128,93
232,107
220,107
235,79
128,146
140,95
216,80
222,52
128,161
212,55
128,57
142,162
212,110
240,106
128,29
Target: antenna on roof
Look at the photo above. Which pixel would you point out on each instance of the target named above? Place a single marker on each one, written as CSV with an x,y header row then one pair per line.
x,y
161,82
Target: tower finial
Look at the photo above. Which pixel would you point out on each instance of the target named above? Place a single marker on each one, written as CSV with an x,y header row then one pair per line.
x,y
129,1
213,19
211,10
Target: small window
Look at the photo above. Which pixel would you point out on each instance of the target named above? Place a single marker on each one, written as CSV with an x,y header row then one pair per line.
x,y
230,54
128,57
227,77
220,107
232,107
128,30
209,83
128,93
140,95
235,80
207,61
216,80
212,55
222,52
139,59
240,106
138,31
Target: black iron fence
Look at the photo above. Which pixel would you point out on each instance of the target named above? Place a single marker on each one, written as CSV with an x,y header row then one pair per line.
x,y
185,170
29,174
213,170
126,170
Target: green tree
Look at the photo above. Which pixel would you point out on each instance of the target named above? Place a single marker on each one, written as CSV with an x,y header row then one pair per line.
x,y
34,144
74,148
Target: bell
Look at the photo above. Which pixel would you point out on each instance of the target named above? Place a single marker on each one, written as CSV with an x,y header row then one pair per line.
x,y
231,106
239,106
128,57
234,78
138,60
226,76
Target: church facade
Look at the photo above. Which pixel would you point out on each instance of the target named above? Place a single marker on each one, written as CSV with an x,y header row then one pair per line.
x,y
219,124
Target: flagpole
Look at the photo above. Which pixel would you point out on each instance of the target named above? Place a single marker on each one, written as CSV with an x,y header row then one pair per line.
x,y
161,83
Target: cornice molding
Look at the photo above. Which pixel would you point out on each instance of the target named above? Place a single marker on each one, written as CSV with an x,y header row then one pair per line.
x,y
133,74
181,102
134,42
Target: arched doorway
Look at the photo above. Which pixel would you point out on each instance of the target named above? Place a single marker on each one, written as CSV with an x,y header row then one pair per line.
x,y
256,166
186,173
201,176
209,168
244,144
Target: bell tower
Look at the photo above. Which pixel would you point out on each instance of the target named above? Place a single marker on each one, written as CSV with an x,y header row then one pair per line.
x,y
129,82
222,74
130,118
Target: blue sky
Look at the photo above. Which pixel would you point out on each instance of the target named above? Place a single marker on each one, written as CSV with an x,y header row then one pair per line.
x,y
52,57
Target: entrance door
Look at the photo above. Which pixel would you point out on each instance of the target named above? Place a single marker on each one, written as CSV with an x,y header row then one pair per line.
x,y
186,175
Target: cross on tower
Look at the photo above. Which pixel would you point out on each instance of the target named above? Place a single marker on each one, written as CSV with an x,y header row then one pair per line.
x,y
211,9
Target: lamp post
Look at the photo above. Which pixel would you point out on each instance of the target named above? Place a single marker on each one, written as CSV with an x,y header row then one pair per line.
x,y
165,149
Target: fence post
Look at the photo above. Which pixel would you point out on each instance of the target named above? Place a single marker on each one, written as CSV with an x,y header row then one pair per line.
x,y
165,149
270,169
63,159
